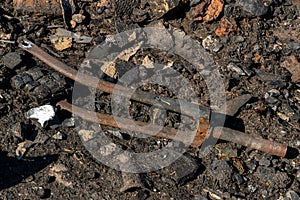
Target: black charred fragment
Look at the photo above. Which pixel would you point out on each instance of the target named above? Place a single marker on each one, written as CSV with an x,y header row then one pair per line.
x,y
186,168
42,85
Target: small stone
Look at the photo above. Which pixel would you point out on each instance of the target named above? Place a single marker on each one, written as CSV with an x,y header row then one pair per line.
x,y
283,116
60,172
236,69
228,152
60,136
276,163
248,72
270,100
264,162
239,179
252,188
275,107
215,194
116,133
59,168
59,78
73,23
78,18
288,167
101,10
69,123
251,166
274,93
239,38
256,47
12,60
255,7
292,195
211,44
264,194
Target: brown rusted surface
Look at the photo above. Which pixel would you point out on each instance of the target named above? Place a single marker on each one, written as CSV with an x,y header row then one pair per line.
x,y
127,124
274,148
238,137
202,131
223,133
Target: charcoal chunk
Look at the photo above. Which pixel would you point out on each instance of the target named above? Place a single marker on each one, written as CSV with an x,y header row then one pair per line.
x,y
12,60
51,83
26,78
186,168
35,73
42,92
17,82
31,85
59,78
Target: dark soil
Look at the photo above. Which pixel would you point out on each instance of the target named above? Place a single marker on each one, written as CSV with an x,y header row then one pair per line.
x,y
258,55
